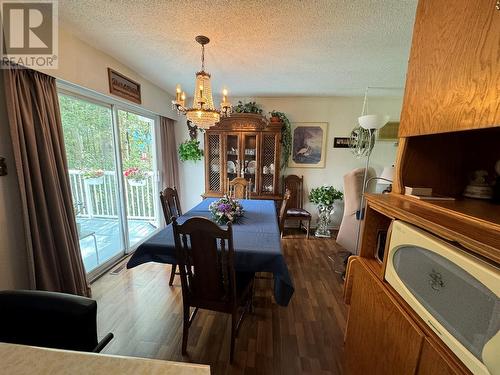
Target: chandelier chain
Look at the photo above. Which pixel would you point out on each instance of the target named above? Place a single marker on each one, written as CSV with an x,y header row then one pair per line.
x,y
202,57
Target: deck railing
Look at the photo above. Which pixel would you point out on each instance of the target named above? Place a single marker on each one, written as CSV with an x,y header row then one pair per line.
x,y
100,198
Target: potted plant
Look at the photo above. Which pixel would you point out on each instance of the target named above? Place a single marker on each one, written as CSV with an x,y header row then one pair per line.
x,y
136,176
93,176
286,135
324,197
250,107
190,150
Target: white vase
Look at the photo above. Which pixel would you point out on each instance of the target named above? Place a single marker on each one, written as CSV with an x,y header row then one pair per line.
x,y
325,213
95,181
136,182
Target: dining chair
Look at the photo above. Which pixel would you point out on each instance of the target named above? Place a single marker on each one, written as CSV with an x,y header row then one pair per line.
x,y
205,256
284,204
171,208
51,320
238,188
295,210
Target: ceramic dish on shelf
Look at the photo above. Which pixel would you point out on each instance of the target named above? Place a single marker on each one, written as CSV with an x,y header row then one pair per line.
x,y
231,168
251,167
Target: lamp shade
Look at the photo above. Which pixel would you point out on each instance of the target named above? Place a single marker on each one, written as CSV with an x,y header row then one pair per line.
x,y
373,121
387,173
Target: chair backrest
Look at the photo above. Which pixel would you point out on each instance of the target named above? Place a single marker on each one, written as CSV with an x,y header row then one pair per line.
x,y
170,204
238,188
283,208
205,256
295,185
353,188
48,319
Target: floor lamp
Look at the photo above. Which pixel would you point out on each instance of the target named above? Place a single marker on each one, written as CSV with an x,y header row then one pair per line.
x,y
370,124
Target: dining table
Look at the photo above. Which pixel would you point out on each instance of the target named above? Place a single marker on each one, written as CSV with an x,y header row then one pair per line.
x,y
256,241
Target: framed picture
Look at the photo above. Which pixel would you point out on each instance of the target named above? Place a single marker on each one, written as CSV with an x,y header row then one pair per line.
x,y
124,87
308,145
341,142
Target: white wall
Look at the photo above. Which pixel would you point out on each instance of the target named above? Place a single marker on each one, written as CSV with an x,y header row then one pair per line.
x,y
340,113
83,65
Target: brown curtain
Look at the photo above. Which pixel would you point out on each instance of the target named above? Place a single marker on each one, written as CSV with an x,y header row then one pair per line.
x,y
37,138
170,169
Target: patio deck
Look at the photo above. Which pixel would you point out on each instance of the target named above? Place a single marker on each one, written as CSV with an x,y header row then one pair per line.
x,y
107,238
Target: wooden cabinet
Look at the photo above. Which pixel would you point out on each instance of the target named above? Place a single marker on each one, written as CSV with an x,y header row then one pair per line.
x,y
433,362
380,337
453,74
243,145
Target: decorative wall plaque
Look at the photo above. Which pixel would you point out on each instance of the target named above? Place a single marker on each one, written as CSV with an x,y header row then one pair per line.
x,y
124,87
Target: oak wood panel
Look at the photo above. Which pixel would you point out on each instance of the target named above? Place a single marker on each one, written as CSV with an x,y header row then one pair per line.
x,y
373,223
380,337
453,74
433,362
445,162
430,336
472,223
306,337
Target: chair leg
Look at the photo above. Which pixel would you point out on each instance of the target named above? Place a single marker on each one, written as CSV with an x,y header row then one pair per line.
x,y
234,318
308,227
185,330
172,274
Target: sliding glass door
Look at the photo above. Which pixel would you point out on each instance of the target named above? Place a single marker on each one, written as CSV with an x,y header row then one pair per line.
x,y
139,171
112,169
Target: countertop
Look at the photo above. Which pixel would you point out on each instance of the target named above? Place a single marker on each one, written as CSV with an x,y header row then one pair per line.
x,y
29,360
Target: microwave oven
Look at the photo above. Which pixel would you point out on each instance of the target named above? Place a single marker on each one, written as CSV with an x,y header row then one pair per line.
x,y
455,293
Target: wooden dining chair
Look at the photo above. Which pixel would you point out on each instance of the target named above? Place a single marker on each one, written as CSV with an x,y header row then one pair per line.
x,y
284,204
205,256
171,208
238,188
295,210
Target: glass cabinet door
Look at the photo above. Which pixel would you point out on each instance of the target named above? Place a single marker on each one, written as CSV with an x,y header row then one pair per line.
x,y
268,166
214,167
249,160
232,157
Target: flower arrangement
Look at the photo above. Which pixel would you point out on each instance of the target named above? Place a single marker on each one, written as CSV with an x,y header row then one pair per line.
x,y
135,174
325,195
92,173
226,210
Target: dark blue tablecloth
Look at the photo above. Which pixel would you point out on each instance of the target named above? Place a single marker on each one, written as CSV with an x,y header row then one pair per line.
x,y
256,238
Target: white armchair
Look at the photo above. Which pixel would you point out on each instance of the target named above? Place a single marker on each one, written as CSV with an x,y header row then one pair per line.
x,y
353,187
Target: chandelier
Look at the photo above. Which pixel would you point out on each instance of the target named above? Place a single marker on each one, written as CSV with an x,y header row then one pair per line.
x,y
202,113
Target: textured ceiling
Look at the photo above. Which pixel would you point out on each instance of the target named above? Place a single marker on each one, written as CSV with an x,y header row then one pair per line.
x,y
257,48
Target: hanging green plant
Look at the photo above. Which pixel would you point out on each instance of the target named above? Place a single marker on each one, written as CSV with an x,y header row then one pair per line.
x,y
250,107
286,136
190,150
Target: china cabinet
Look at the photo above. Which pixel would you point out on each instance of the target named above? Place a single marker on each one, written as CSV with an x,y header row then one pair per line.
x,y
243,145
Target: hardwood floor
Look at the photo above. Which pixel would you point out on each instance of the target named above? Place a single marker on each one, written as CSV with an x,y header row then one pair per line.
x,y
145,314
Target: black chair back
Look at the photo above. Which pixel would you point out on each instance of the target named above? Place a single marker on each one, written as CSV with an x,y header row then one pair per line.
x,y
49,319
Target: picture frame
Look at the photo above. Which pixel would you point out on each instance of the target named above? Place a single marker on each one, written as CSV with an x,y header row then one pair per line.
x,y
124,87
308,145
341,142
